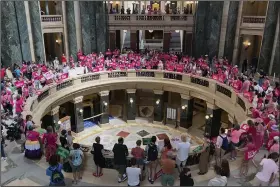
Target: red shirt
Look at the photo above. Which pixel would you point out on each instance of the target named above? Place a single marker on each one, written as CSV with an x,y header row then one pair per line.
x,y
3,73
253,132
250,147
137,152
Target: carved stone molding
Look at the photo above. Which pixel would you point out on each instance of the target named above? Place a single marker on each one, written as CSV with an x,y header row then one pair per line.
x,y
104,93
130,90
78,99
187,97
212,106
158,92
55,110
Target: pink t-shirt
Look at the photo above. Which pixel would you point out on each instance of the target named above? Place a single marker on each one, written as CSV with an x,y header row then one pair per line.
x,y
274,148
18,106
235,135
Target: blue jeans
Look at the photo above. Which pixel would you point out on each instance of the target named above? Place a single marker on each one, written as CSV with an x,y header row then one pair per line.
x,y
2,151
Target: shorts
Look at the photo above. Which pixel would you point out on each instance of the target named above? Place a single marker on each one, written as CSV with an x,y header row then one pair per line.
x,y
167,180
121,169
258,182
139,161
180,163
76,168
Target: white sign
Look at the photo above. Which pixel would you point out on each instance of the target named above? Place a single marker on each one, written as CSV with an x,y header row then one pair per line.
x,y
75,72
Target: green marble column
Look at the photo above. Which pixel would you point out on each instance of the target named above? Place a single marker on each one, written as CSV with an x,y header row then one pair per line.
x,y
37,35
268,35
71,29
10,42
101,26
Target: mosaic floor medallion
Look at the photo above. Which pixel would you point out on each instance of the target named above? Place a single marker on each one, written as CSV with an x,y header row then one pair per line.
x,y
143,133
123,134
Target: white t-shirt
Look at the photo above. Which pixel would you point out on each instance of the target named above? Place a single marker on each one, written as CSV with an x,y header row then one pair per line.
x,y
183,149
133,176
258,88
218,181
269,167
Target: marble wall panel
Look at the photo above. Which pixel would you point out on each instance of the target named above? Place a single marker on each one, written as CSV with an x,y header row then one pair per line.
x,y
276,61
268,35
10,42
231,28
71,29
23,31
101,26
37,35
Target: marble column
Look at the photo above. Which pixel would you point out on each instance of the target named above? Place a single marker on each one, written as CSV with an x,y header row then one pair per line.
x,y
65,34
186,115
23,30
101,19
133,40
275,61
131,104
166,41
71,29
55,118
78,26
10,48
231,29
158,106
29,29
187,43
38,39
112,40
78,111
208,28
213,121
268,35
104,106
88,25
223,28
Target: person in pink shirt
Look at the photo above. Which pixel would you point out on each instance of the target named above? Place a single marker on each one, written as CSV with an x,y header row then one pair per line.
x,y
245,86
235,136
19,104
260,133
275,146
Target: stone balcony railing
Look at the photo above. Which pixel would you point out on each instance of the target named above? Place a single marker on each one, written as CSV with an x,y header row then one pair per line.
x,y
51,21
154,21
253,21
206,89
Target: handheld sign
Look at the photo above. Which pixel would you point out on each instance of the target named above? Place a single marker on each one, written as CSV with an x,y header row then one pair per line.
x,y
62,152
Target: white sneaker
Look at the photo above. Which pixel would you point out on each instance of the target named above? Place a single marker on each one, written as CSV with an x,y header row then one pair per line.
x,y
4,158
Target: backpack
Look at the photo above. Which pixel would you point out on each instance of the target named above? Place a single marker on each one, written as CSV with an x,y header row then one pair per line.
x,y
57,176
225,143
76,158
152,152
212,148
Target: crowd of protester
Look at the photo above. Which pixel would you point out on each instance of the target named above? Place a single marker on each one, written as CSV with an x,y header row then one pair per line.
x,y
27,79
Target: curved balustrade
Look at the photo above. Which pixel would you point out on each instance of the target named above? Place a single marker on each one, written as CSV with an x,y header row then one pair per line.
x,y
253,19
51,18
210,90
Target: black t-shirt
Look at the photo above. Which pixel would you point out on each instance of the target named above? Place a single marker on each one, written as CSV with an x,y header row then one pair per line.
x,y
120,154
185,180
63,141
97,150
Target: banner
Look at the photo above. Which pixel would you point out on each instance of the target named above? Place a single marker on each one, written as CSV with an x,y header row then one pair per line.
x,y
65,123
49,75
250,154
19,84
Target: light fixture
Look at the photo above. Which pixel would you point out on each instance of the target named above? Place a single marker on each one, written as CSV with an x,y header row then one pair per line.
x,y
117,2
157,102
211,115
56,41
105,103
246,44
206,117
151,31
81,110
183,107
177,31
167,2
59,122
125,31
131,100
111,2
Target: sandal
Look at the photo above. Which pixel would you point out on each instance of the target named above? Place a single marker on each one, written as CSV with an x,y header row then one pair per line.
x,y
100,175
95,174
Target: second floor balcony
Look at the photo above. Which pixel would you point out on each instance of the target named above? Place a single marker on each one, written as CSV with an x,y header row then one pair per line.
x,y
144,21
254,22
48,21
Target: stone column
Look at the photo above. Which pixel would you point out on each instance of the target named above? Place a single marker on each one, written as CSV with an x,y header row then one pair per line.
x,y
275,60
131,104
23,30
186,116
65,33
133,40
55,118
29,29
104,106
158,106
166,41
268,35
213,120
78,111
101,18
223,28
10,48
237,33
187,43
71,28
38,38
78,26
112,40
231,29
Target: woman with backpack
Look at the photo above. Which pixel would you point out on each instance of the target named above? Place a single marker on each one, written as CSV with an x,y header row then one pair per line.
x,y
54,171
76,157
152,157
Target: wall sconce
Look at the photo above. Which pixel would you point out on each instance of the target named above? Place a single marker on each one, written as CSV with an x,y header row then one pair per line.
x,y
246,44
117,2
111,2
184,107
157,102
105,104
167,2
209,116
131,100
58,41
59,122
177,31
80,112
125,31
151,31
